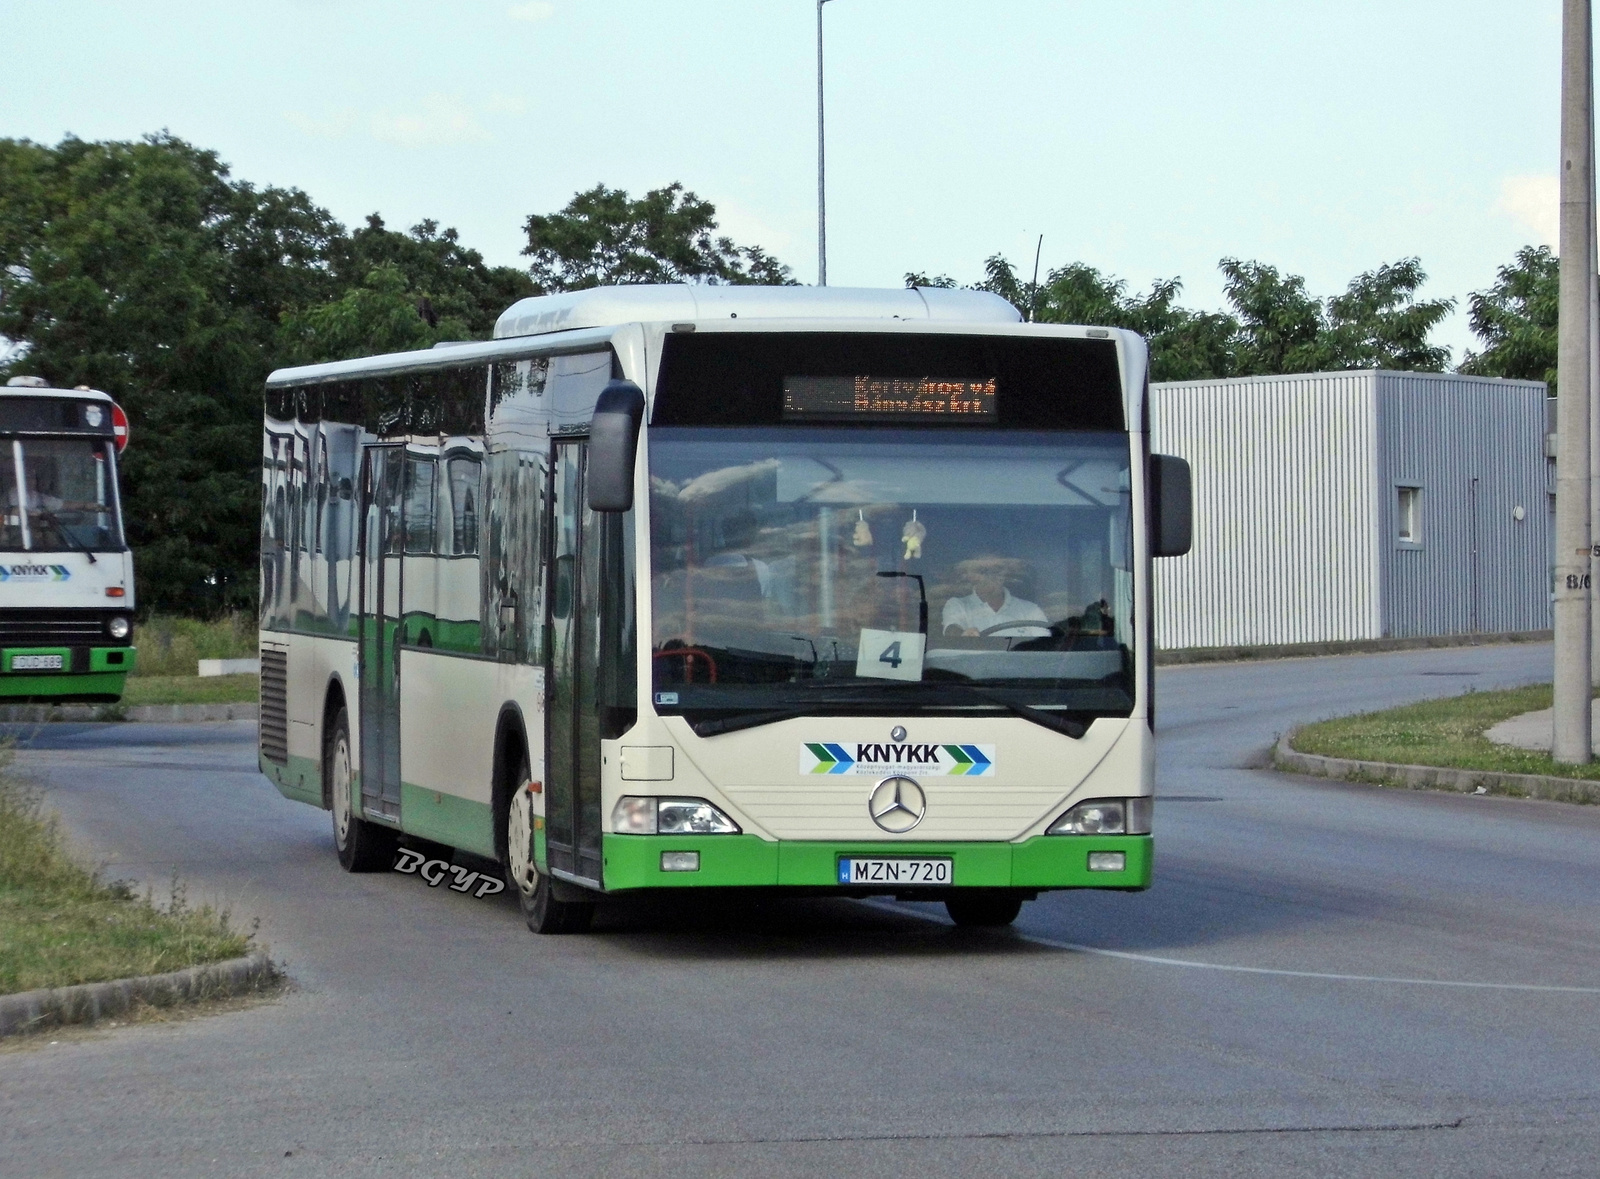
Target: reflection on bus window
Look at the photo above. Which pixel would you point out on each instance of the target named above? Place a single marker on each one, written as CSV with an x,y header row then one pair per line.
x,y
465,474
976,557
419,505
67,483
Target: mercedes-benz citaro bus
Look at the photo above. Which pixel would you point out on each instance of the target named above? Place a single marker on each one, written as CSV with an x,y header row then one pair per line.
x,y
819,591
66,575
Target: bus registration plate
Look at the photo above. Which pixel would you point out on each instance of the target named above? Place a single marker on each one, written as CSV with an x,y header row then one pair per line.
x,y
36,663
900,870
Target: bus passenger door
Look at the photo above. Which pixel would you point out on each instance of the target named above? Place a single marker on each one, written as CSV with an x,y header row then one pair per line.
x,y
572,758
382,562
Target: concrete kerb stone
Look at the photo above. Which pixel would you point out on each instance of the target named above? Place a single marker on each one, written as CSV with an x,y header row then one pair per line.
x,y
1541,786
147,713
1181,655
88,1002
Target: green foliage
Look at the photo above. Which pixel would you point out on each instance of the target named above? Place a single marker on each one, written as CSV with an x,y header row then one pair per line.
x,y
1275,326
140,269
666,236
190,689
380,315
1517,319
170,645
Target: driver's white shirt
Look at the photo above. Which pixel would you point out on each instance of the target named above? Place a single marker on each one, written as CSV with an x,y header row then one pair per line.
x,y
973,613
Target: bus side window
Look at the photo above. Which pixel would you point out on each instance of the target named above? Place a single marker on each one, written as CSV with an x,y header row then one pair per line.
x,y
419,505
465,474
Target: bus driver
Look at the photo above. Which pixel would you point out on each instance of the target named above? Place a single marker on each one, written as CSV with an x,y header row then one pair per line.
x,y
990,603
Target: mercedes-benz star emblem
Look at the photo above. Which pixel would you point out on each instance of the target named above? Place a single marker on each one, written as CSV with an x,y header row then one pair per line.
x,y
898,733
897,805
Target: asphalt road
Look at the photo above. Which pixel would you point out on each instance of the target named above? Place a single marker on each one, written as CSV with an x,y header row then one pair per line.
x,y
1284,999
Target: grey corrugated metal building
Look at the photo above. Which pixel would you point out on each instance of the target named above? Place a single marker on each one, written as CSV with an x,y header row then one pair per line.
x,y
1356,505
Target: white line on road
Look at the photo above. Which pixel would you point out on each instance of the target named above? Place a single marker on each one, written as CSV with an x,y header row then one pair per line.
x,y
1156,960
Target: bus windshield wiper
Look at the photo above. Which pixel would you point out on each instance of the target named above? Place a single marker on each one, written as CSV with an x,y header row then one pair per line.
x,y
1048,720
61,530
746,720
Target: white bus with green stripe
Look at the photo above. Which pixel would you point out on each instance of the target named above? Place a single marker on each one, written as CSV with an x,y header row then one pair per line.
x,y
66,573
813,591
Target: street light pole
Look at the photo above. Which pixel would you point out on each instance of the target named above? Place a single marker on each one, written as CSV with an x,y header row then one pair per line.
x,y
822,186
1572,737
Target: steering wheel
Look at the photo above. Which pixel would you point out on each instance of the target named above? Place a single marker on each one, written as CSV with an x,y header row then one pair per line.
x,y
1013,625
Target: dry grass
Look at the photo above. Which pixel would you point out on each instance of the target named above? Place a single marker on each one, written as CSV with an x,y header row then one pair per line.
x,y
60,924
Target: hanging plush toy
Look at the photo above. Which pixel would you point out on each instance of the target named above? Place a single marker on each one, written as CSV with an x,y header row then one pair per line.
x,y
913,534
863,533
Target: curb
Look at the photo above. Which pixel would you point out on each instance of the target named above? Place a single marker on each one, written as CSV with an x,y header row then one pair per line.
x,y
148,713
1541,786
87,1002
1181,655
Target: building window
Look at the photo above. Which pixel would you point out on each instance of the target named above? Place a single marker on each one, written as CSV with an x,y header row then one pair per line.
x,y
1409,515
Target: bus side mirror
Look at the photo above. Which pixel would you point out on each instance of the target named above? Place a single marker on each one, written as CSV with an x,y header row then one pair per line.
x,y
1171,506
613,446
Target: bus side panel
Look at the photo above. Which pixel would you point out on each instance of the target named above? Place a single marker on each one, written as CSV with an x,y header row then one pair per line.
x,y
312,662
449,709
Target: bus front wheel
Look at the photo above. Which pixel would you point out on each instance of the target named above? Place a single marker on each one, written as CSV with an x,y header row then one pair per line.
x,y
543,913
362,846
980,910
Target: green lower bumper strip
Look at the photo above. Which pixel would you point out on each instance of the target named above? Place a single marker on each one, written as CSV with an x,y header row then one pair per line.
x,y
746,861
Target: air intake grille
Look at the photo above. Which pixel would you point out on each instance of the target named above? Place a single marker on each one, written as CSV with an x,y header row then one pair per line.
x,y
274,721
53,628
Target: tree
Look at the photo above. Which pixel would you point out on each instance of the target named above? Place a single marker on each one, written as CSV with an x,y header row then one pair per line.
x,y
381,315
1277,326
666,236
1516,318
1378,322
1280,324
432,264
140,268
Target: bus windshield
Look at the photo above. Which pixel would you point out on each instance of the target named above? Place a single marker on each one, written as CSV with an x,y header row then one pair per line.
x,y
883,570
58,494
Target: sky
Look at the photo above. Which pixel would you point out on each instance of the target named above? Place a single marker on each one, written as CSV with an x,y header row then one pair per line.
x,y
1146,139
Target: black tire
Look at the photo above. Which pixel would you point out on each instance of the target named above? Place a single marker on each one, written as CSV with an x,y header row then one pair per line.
x,y
362,846
542,912
980,910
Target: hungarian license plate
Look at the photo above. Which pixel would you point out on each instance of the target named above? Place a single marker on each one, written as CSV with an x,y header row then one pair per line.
x,y
899,870
36,663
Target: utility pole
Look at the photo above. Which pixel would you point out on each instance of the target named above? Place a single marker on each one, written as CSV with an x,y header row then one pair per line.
x,y
1572,739
1594,395
822,186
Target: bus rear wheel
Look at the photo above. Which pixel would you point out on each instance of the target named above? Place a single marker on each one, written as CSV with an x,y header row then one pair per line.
x,y
362,846
979,910
541,910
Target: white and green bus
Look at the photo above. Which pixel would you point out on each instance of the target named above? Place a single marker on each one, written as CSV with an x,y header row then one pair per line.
x,y
66,574
820,591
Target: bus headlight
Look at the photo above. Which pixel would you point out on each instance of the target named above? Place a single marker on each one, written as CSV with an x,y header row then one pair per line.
x,y
118,627
1106,816
669,816
693,816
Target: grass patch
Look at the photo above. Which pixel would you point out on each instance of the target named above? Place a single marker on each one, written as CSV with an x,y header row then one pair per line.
x,y
1445,732
60,924
190,689
171,646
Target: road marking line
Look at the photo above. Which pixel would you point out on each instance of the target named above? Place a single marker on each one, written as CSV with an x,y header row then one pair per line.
x,y
1154,959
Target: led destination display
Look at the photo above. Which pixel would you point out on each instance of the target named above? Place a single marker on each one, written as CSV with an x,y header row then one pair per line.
x,y
888,399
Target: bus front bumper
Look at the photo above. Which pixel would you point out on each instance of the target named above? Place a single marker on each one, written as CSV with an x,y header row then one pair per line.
x,y
746,861
94,672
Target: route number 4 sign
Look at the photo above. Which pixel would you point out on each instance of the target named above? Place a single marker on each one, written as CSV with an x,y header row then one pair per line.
x,y
891,654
